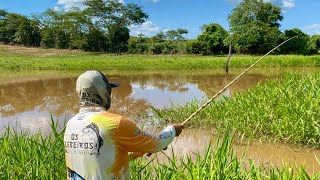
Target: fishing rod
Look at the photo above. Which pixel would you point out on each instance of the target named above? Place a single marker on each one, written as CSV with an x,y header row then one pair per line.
x,y
234,80
223,89
6,126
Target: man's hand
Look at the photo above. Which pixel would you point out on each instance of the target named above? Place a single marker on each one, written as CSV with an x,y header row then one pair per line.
x,y
178,128
135,155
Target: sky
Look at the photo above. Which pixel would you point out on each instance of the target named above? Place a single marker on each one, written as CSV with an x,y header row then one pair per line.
x,y
188,14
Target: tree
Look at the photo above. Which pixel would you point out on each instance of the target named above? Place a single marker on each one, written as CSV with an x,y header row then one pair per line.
x,y
67,29
54,32
138,44
15,28
118,38
254,26
314,44
97,40
114,17
160,37
297,45
112,12
176,35
212,39
3,35
194,47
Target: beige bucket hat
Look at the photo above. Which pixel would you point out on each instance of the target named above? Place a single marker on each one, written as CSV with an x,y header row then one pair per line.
x,y
94,89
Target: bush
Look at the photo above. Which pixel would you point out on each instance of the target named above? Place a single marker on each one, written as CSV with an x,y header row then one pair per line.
x,y
156,48
194,47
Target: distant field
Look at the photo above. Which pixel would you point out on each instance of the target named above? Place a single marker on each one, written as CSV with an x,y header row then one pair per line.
x,y
23,58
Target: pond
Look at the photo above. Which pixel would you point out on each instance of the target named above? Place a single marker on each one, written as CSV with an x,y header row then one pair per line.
x,y
28,99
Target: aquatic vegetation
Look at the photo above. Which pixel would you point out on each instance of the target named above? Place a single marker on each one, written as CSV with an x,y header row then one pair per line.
x,y
285,109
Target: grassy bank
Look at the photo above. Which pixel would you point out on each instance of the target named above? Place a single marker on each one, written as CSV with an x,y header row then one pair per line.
x,y
37,157
40,59
285,109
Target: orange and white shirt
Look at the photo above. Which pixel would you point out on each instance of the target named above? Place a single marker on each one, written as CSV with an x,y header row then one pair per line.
x,y
97,144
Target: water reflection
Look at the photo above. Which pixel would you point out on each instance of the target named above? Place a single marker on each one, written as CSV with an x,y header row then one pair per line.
x,y
40,96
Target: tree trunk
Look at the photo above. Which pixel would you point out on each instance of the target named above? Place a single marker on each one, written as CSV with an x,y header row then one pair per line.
x,y
228,58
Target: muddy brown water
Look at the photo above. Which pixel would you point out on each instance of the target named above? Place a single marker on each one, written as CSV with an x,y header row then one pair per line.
x,y
27,99
263,153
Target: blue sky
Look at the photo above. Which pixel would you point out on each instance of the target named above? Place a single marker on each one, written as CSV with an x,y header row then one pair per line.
x,y
189,14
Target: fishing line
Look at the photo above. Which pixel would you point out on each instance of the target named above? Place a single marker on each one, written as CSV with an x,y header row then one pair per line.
x,y
223,89
5,126
234,80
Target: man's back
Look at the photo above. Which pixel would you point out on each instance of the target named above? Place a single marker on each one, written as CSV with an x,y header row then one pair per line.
x,y
91,151
97,143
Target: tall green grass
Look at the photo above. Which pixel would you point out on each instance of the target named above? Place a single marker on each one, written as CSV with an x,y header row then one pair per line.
x,y
217,162
24,156
285,109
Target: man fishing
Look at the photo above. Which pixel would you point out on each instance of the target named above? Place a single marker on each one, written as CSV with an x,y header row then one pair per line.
x,y
99,144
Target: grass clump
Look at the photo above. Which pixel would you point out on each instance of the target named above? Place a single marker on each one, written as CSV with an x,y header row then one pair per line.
x,y
285,109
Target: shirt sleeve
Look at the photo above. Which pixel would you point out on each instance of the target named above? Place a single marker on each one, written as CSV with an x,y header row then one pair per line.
x,y
132,139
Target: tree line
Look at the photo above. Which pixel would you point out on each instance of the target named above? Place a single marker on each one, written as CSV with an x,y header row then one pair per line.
x,y
102,26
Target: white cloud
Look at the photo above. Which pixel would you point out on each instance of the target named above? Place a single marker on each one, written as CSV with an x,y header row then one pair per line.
x,y
286,4
234,2
154,1
69,4
312,29
57,8
147,28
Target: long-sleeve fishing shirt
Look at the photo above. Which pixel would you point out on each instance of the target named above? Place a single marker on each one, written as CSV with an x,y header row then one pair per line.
x,y
97,144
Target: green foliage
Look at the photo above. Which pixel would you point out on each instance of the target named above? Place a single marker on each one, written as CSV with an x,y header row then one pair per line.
x,y
170,42
113,12
314,44
138,45
65,29
160,37
118,38
97,40
15,28
254,26
157,48
297,45
176,35
211,41
194,47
